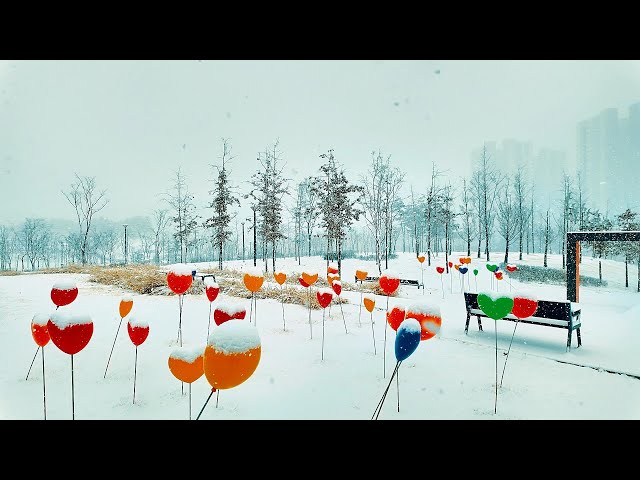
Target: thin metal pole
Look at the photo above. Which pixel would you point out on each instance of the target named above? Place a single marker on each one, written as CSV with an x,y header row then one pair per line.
x,y
205,404
208,323
384,396
284,325
384,351
373,335
495,406
189,401
34,359
44,388
508,350
360,312
398,386
309,305
73,406
135,371
343,320
217,397
112,347
322,358
251,308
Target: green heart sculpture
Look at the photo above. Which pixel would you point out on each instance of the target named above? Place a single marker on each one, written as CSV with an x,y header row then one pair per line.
x,y
491,267
495,307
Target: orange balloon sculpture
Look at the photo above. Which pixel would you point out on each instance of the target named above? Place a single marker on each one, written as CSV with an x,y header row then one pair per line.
x,y
428,316
280,277
232,354
332,277
421,258
309,278
253,280
39,330
187,364
361,274
369,303
125,305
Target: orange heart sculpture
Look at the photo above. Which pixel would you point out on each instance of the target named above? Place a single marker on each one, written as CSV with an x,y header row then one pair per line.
x,y
125,306
421,258
186,364
309,278
457,266
361,274
332,277
280,277
369,303
253,280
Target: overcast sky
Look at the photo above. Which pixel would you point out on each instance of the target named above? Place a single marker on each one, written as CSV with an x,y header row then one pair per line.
x,y
130,124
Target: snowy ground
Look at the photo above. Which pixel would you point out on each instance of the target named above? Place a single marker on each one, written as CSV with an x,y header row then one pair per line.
x,y
451,376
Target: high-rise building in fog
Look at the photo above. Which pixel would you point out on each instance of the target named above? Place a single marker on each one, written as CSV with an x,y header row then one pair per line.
x,y
608,160
544,168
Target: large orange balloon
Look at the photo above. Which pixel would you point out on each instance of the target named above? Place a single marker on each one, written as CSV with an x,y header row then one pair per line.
x,y
187,364
232,354
125,306
309,278
280,277
252,282
39,330
428,316
361,274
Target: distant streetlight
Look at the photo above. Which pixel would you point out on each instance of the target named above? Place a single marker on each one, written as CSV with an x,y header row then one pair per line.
x,y
242,242
125,242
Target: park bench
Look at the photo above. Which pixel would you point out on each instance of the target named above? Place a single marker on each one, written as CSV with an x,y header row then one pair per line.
x,y
558,314
403,281
202,276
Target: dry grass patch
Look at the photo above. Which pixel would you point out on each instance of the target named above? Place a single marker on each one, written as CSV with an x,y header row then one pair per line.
x,y
9,273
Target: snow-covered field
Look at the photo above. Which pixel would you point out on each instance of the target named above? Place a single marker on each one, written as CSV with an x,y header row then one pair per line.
x,y
451,376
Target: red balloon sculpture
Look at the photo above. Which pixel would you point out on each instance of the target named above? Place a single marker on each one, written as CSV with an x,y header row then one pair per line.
x,y
179,279
138,333
228,311
389,283
63,293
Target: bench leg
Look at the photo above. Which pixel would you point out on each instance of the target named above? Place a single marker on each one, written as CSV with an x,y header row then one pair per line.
x,y
479,324
579,339
466,325
569,339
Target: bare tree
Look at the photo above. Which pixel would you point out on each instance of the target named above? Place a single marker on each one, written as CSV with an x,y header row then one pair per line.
x,y
431,200
159,222
33,238
547,238
468,231
87,201
487,184
373,201
507,215
185,219
522,213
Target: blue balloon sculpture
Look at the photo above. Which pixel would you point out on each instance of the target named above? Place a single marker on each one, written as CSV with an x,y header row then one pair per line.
x,y
407,338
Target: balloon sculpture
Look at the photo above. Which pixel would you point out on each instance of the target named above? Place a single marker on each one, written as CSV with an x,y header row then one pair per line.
x,y
211,290
228,311
361,275
231,356
421,259
253,280
307,279
324,296
407,341
475,275
524,305
280,277
337,289
389,283
70,333
396,316
369,304
126,304
179,280
187,365
440,270
496,307
138,333
428,316
40,335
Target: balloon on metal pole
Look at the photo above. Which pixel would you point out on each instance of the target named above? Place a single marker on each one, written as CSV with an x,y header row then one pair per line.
x,y
389,282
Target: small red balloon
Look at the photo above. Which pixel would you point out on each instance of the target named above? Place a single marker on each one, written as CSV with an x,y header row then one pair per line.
x,y
512,268
395,317
212,292
450,264
524,307
62,296
39,330
225,313
137,333
389,285
179,283
303,283
337,287
440,269
324,297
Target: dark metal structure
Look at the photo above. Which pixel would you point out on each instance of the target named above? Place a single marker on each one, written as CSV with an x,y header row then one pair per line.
x,y
573,254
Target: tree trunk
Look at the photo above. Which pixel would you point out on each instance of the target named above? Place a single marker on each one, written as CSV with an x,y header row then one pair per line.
x,y
506,249
446,247
600,268
626,270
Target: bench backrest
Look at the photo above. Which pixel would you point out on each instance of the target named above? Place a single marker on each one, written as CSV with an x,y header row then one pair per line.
x,y
559,310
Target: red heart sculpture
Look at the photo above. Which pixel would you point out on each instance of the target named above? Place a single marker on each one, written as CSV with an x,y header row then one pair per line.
x,y
440,269
524,307
137,333
512,268
337,287
223,313
450,264
70,334
395,317
212,292
389,285
179,283
63,294
324,296
498,275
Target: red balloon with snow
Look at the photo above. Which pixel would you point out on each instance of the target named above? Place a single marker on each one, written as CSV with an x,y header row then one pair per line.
x,y
232,354
179,279
524,305
337,287
39,330
228,311
63,293
332,268
396,316
138,331
389,282
440,269
324,296
511,268
302,282
70,333
428,316
211,288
